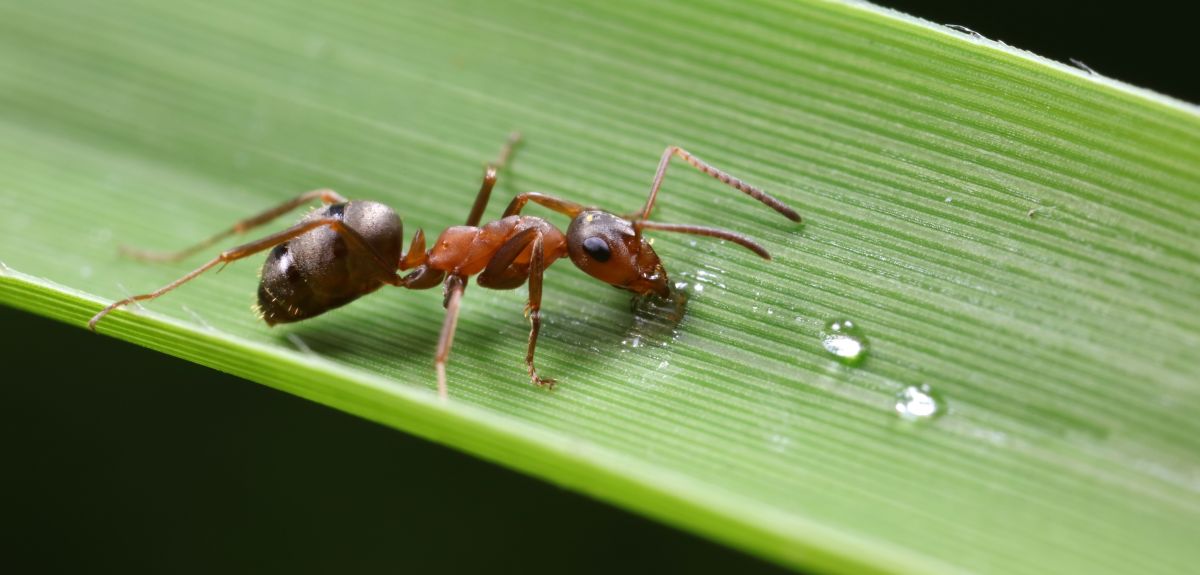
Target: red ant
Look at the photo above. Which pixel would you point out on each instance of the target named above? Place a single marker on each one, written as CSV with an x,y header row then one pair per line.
x,y
348,249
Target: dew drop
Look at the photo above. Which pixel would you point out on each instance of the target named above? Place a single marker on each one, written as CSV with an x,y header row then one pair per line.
x,y
845,341
918,403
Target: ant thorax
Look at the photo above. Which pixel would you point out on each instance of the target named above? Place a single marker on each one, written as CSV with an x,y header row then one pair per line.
x,y
468,250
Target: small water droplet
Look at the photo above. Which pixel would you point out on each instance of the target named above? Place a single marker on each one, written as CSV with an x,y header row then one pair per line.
x,y
918,402
664,364
949,200
845,341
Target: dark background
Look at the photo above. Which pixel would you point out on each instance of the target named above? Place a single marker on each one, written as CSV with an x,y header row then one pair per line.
x,y
117,458
1151,44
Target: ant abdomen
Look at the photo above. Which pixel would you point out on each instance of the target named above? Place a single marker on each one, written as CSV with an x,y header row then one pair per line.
x,y
318,271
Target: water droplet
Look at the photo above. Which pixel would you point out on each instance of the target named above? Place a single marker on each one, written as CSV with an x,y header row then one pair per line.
x,y
918,402
709,278
949,200
845,341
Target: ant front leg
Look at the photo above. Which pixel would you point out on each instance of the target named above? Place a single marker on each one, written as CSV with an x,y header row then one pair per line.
x,y
564,207
502,274
326,196
242,251
534,309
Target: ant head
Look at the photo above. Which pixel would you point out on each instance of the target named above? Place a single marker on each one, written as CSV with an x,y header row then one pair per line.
x,y
608,248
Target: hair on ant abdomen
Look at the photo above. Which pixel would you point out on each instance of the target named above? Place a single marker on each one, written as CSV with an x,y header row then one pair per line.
x,y
349,248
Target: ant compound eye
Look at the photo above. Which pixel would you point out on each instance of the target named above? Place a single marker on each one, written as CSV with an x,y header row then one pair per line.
x,y
597,249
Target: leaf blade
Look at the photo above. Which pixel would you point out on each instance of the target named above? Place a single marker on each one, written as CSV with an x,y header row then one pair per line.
x,y
748,433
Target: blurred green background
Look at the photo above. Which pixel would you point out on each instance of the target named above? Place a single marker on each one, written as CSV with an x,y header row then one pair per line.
x,y
119,458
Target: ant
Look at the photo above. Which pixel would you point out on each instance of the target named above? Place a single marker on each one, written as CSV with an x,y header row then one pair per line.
x,y
349,248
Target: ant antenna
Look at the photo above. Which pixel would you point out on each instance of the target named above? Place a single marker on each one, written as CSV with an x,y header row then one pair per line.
x,y
725,178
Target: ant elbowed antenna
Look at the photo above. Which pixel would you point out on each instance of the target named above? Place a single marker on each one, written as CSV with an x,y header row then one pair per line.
x,y
347,249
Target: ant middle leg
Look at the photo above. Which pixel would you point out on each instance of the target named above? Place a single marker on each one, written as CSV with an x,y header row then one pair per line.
x,y
326,196
455,284
489,178
233,254
709,169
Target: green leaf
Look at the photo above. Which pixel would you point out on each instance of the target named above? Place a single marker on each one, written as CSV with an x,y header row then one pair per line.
x,y
1016,234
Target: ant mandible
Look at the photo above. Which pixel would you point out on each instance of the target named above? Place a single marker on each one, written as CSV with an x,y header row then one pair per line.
x,y
347,249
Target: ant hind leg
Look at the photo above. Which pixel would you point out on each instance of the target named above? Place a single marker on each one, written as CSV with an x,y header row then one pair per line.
x,y
489,178
233,254
326,196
